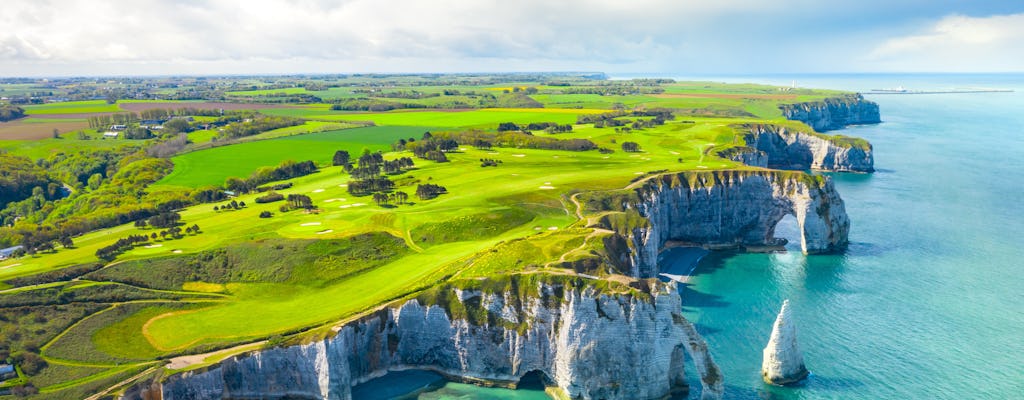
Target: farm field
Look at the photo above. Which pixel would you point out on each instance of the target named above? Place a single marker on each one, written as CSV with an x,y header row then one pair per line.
x,y
252,270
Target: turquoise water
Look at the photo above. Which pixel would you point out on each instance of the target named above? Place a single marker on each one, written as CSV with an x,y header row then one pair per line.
x,y
927,302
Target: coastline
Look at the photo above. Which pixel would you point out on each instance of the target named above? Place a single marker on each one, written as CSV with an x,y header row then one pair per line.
x,y
677,263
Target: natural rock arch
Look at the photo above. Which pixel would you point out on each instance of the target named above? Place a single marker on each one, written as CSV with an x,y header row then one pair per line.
x,y
730,209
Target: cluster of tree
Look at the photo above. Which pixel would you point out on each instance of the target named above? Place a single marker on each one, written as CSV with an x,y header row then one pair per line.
x,y
517,140
488,162
630,147
279,186
10,112
300,201
385,199
207,194
428,191
108,253
164,219
430,148
595,118
169,147
106,121
549,127
258,124
232,205
106,189
614,89
163,114
270,198
266,214
286,170
20,179
374,105
122,245
342,158
362,187
525,90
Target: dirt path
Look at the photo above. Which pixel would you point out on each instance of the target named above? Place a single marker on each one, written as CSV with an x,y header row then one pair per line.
x,y
123,383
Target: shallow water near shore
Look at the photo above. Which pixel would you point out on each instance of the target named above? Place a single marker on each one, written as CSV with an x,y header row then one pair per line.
x,y
927,302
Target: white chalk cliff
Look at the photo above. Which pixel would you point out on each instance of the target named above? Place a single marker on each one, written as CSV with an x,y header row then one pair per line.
x,y
592,345
794,149
783,363
833,113
723,209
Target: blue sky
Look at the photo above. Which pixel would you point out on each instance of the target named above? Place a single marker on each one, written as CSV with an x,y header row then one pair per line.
x,y
50,37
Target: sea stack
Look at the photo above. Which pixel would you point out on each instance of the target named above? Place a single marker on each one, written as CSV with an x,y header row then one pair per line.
x,y
783,364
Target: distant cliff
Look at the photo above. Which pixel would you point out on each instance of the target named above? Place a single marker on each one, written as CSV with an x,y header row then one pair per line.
x,y
591,339
718,209
781,147
834,113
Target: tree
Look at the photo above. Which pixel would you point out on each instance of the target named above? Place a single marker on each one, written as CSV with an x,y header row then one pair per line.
x,y
95,181
341,157
56,133
401,197
266,214
66,242
177,125
630,147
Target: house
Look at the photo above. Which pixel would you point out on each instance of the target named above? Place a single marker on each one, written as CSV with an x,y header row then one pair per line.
x,y
110,135
118,127
6,253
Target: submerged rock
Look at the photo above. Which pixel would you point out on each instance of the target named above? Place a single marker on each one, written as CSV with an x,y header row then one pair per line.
x,y
783,363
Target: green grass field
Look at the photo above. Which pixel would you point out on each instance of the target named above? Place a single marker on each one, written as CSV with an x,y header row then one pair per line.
x,y
72,107
213,166
305,270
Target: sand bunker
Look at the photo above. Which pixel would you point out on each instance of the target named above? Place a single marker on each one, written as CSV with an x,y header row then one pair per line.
x,y
325,231
545,187
310,224
153,246
318,191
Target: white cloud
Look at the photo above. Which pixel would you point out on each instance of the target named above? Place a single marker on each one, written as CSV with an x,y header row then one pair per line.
x,y
957,43
353,34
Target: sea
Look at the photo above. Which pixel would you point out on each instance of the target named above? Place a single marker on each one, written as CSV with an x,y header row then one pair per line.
x,y
927,302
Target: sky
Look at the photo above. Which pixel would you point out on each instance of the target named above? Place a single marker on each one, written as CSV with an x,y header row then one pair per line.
x,y
712,37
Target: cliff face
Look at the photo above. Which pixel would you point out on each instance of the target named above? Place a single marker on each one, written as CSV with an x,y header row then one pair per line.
x,y
728,209
787,148
626,345
834,113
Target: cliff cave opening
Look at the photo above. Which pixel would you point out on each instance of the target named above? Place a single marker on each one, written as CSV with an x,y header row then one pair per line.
x,y
534,380
787,233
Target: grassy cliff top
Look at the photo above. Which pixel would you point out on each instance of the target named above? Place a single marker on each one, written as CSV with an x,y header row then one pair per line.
x,y
516,213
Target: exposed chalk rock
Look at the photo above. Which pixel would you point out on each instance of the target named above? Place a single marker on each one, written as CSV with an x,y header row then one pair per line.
x,y
833,113
722,209
783,363
592,345
787,148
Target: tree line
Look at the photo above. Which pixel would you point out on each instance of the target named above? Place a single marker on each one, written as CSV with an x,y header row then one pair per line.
x,y
286,170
